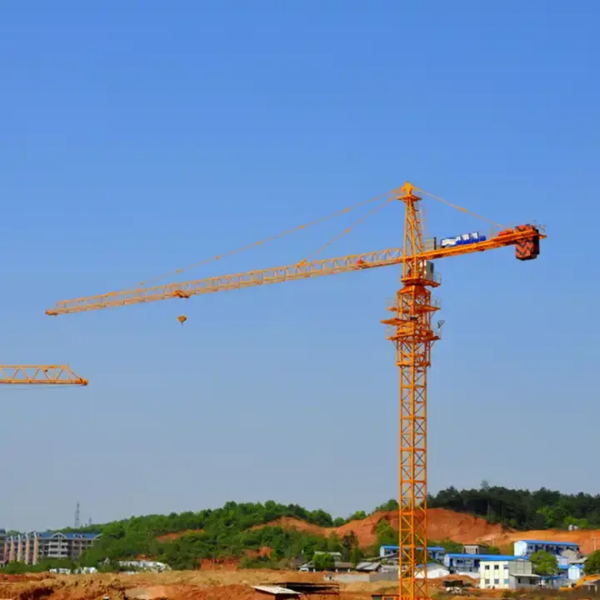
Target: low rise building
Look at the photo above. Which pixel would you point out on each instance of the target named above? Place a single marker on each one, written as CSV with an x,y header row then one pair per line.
x,y
468,564
507,573
528,547
2,545
433,552
33,547
475,549
569,556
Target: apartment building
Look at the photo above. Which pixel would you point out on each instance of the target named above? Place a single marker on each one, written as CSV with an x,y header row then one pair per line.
x,y
33,547
2,544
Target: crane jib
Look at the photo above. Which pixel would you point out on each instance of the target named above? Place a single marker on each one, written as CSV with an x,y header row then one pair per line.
x,y
525,238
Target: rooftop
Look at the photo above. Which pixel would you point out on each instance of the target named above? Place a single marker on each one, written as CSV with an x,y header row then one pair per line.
x,y
69,536
275,590
486,556
549,543
47,535
429,548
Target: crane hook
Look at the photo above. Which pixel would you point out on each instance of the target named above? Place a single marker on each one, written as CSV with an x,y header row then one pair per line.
x,y
182,319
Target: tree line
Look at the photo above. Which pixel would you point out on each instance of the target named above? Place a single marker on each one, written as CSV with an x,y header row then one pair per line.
x,y
523,509
237,529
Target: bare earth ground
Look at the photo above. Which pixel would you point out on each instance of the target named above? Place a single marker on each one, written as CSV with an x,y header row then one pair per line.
x,y
186,585
208,585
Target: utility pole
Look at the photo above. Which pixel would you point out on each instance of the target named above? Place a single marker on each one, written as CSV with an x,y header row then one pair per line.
x,y
77,517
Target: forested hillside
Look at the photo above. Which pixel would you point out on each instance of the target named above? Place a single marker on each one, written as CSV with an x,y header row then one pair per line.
x,y
231,531
260,535
523,509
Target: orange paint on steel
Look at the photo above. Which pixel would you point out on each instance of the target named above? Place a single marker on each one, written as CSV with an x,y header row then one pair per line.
x,y
304,270
412,335
39,375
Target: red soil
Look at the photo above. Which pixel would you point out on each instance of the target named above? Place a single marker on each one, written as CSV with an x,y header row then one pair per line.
x,y
219,564
265,551
290,523
443,525
169,537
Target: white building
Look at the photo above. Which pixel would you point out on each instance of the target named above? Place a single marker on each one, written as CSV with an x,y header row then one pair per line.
x,y
2,545
33,547
507,574
528,547
468,564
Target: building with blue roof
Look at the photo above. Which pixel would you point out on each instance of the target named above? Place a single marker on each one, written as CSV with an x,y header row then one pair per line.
x,y
433,552
470,563
528,547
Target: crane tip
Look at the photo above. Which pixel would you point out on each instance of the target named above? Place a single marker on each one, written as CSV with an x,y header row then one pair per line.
x,y
407,188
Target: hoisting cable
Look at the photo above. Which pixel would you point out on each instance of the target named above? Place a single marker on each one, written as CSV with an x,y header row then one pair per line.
x,y
460,208
264,241
348,230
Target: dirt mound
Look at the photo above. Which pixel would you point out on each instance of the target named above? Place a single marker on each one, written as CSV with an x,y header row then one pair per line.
x,y
442,524
446,524
219,564
169,537
263,552
290,523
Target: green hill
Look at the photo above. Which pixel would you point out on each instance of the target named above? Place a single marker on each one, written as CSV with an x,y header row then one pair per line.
x,y
234,531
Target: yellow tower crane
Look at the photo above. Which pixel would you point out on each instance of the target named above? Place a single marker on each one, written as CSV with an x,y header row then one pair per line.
x,y
39,375
410,330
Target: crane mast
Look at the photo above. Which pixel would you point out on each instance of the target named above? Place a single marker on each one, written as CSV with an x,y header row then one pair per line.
x,y
412,335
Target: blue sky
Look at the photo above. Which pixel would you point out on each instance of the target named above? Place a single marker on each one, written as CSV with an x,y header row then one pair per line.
x,y
141,137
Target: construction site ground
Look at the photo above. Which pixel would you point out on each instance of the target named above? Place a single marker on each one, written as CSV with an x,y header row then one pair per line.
x,y
224,580
176,585
214,585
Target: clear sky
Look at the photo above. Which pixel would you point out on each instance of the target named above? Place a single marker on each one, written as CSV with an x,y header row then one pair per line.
x,y
140,137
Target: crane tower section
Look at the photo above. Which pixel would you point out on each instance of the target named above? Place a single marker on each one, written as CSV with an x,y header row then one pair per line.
x,y
411,332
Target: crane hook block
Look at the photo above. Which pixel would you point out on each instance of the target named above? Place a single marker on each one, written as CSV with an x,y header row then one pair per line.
x,y
182,319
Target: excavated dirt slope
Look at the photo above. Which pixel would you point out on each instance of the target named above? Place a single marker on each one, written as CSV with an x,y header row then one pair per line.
x,y
442,524
169,537
447,525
